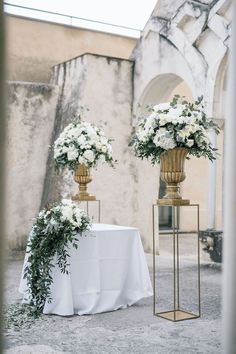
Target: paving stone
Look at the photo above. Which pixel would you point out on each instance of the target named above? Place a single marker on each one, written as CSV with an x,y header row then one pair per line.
x,y
133,330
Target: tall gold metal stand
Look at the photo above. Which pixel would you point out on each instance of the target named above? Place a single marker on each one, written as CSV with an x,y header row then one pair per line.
x,y
87,203
177,313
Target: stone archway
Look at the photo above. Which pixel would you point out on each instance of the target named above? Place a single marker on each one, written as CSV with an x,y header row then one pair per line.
x,y
161,89
187,40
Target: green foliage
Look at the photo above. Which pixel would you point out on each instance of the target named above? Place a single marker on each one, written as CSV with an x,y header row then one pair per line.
x,y
19,316
54,231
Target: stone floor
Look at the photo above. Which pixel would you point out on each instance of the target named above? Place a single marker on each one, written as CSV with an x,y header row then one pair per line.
x,y
133,330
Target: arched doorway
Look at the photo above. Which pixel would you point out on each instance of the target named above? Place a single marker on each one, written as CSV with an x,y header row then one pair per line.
x,y
162,89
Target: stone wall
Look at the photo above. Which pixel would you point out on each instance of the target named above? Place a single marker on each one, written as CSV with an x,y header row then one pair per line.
x,y
187,42
34,46
30,122
171,55
104,86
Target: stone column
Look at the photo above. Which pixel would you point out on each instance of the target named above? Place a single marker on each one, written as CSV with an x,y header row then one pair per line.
x,y
2,164
229,255
211,221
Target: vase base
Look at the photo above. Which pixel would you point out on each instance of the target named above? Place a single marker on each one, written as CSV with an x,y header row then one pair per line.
x,y
83,198
180,201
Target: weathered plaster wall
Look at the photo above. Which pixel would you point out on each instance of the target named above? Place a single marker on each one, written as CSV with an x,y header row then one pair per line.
x,y
171,55
33,47
104,86
30,121
186,41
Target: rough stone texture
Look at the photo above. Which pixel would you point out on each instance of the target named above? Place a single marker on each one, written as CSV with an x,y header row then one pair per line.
x,y
133,330
104,86
186,41
183,42
57,43
30,121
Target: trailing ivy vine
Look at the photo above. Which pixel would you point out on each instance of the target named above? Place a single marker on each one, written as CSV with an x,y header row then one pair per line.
x,y
54,232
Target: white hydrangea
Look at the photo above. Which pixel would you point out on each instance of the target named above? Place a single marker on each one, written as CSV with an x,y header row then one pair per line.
x,y
150,121
66,213
89,155
81,140
81,143
142,135
72,153
164,140
174,124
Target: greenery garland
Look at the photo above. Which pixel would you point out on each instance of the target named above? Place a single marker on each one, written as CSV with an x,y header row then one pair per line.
x,y
54,231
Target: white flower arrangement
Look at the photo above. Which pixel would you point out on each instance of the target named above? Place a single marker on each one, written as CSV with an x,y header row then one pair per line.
x,y
67,212
55,230
82,143
174,124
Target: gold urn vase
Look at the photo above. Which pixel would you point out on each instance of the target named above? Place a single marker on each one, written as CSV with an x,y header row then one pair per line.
x,y
82,176
172,173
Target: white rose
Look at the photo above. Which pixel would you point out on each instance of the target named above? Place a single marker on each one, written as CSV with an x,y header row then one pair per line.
x,y
72,154
98,146
190,142
162,119
89,155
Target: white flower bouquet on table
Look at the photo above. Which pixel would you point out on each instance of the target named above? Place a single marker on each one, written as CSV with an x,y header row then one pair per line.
x,y
173,125
55,229
82,143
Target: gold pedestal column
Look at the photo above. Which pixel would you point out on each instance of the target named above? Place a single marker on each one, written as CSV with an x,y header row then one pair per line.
x,y
177,313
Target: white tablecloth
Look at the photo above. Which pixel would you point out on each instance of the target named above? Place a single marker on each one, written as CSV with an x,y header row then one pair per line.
x,y
108,271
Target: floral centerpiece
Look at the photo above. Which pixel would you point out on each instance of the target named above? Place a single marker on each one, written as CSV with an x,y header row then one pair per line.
x,y
55,230
79,147
174,124
169,133
82,143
